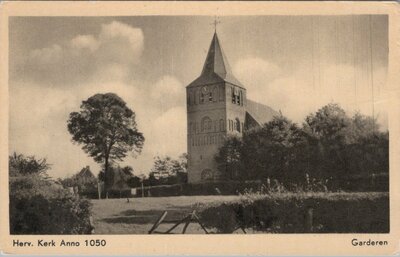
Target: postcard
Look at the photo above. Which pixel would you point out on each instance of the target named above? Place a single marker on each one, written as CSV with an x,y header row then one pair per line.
x,y
200,128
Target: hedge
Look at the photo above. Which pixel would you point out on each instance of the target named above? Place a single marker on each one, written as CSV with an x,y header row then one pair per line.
x,y
291,213
219,188
349,184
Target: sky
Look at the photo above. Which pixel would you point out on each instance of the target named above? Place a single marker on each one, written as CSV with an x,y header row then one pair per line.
x,y
295,64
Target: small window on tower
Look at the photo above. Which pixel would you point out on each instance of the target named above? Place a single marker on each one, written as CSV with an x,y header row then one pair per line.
x,y
215,94
237,125
210,97
206,124
221,125
221,93
204,94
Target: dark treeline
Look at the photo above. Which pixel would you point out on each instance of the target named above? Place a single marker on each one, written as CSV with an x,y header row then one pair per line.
x,y
328,146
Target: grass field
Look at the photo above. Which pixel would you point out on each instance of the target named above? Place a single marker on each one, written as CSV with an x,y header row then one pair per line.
x,y
117,216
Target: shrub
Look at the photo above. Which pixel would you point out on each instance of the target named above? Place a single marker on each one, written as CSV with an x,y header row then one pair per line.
x,y
288,213
40,206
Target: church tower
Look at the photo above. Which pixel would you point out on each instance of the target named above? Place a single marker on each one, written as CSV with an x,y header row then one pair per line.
x,y
216,109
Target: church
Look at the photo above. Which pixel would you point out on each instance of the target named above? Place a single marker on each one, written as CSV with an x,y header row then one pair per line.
x,y
217,108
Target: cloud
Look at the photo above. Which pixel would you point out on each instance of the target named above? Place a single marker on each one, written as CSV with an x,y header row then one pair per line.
x,y
168,135
38,124
120,32
85,42
120,43
47,56
297,94
259,68
168,92
79,58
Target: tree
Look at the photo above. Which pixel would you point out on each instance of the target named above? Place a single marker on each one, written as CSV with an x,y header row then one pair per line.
x,y
168,171
340,146
107,129
328,124
330,147
269,152
361,126
179,168
229,158
134,181
272,150
326,133
119,177
27,165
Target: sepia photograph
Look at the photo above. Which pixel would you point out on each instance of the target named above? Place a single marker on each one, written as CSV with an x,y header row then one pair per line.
x,y
199,125
135,125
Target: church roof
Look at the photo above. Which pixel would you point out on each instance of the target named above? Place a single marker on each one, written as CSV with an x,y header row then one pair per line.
x,y
216,67
259,113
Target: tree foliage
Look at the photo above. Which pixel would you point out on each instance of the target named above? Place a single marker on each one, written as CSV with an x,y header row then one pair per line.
x,y
167,171
84,181
40,205
25,165
229,158
329,145
107,129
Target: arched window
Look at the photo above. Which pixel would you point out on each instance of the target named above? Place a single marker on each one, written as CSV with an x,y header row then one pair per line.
x,y
241,98
221,93
205,95
202,96
206,124
210,96
221,125
214,97
237,124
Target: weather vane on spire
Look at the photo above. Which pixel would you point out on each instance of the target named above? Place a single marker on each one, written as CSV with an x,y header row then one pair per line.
x,y
215,23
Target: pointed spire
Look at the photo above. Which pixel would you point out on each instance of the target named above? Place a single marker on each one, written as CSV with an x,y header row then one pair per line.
x,y
216,61
216,66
